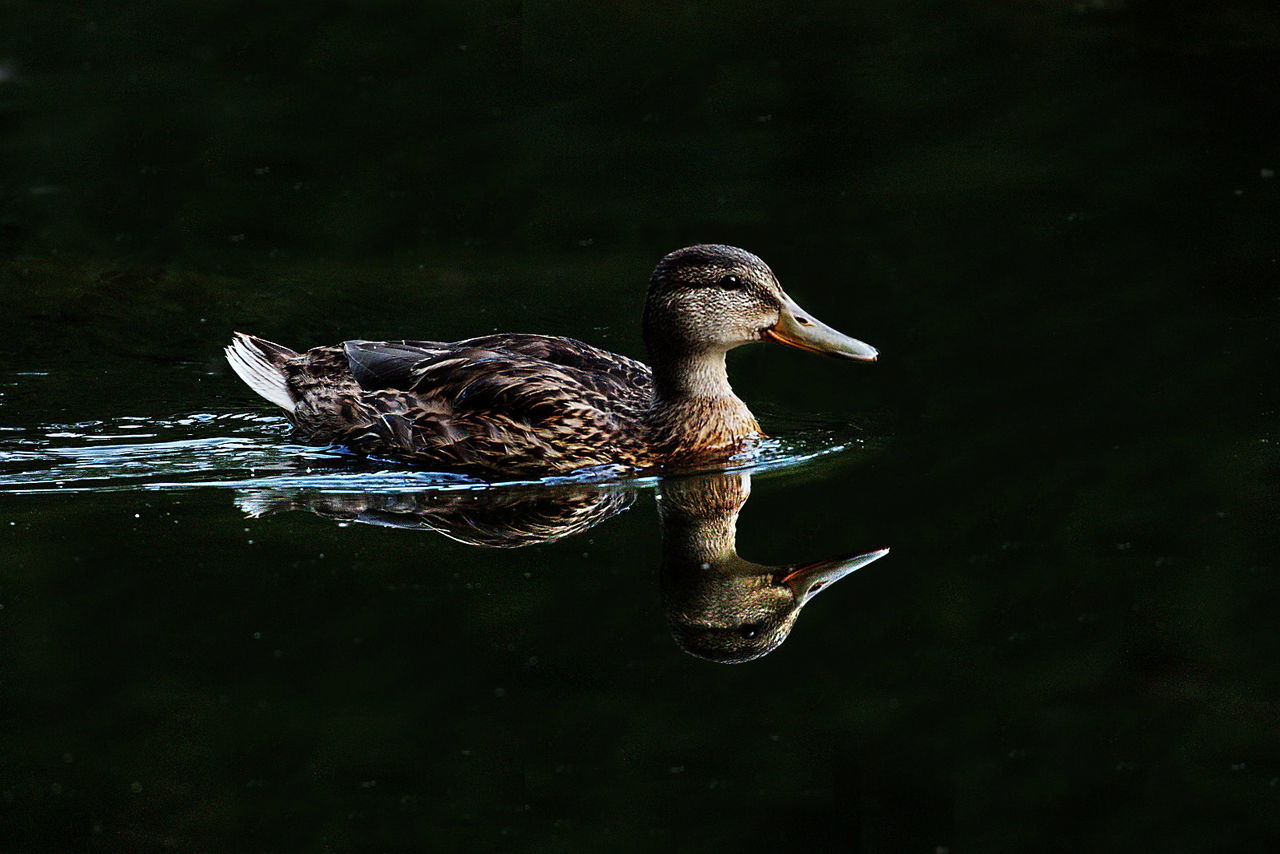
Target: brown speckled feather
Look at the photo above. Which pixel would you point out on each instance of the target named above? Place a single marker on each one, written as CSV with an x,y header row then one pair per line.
x,y
512,404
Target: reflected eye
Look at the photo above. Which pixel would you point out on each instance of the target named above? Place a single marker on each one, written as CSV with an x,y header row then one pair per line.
x,y
731,282
749,630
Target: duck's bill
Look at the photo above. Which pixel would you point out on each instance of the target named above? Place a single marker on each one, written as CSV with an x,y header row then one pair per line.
x,y
797,328
810,579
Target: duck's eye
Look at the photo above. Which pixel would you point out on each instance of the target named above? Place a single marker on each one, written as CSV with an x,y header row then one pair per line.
x,y
731,282
749,630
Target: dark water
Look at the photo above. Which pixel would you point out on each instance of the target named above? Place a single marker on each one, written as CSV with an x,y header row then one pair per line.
x,y
1057,221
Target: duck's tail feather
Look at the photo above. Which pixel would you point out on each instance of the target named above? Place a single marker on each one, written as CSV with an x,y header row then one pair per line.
x,y
260,364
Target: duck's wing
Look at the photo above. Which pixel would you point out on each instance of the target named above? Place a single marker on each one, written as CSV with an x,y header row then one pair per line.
x,y
499,403
389,364
612,370
415,365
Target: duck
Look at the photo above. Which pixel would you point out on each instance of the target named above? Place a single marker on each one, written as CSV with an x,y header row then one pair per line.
x,y
539,405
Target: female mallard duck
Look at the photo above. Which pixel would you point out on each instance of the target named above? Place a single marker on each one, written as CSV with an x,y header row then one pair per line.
x,y
537,404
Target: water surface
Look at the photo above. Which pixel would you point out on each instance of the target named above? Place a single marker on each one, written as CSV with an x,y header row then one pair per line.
x,y
1058,224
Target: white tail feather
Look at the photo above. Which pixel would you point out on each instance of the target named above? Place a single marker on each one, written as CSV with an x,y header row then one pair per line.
x,y
259,372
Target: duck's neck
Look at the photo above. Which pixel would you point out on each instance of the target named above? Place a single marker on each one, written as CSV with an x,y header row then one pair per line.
x,y
695,413
691,376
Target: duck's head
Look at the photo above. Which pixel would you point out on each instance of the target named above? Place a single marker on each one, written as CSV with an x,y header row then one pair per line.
x,y
711,298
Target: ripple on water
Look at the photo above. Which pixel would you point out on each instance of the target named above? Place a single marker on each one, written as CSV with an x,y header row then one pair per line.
x,y
245,451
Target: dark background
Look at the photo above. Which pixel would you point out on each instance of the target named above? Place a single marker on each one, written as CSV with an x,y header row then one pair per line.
x,y
1058,222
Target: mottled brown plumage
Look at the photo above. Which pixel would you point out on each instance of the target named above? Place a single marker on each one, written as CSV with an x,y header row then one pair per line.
x,y
530,405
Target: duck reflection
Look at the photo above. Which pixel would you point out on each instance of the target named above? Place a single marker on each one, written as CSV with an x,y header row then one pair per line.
x,y
720,606
494,518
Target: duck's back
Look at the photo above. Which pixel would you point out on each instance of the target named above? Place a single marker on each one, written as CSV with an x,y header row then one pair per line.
x,y
510,404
